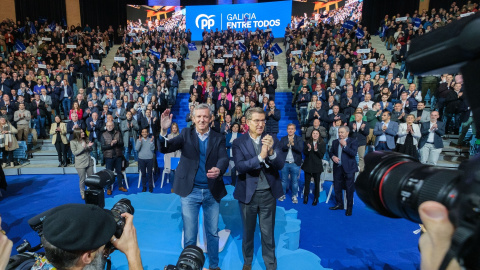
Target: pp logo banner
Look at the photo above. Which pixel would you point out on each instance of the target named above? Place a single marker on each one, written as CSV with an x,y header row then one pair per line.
x,y
205,21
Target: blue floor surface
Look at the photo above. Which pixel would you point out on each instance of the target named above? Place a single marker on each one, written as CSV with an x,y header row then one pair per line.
x,y
362,241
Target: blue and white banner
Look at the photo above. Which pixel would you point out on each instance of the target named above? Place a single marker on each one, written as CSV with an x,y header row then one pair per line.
x,y
417,22
359,33
276,49
242,46
274,15
348,25
192,47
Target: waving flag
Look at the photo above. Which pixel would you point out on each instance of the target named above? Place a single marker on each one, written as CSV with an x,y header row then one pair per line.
x,y
348,25
32,29
156,54
19,46
301,23
359,33
242,47
418,21
52,26
254,56
267,44
192,47
21,29
276,49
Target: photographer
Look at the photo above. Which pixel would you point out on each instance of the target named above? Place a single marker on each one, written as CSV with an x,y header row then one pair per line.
x,y
75,236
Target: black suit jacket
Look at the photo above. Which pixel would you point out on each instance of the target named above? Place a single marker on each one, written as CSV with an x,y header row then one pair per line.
x,y
80,123
361,135
249,167
313,159
437,137
187,141
297,148
348,158
97,128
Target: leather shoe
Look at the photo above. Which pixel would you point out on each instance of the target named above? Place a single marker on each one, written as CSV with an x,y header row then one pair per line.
x,y
315,201
247,267
305,200
144,189
336,207
60,164
150,190
348,212
123,189
109,192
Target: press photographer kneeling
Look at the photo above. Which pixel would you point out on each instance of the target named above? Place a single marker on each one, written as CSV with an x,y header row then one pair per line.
x,y
78,236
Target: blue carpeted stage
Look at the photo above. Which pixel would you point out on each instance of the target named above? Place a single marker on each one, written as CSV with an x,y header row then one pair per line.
x,y
328,239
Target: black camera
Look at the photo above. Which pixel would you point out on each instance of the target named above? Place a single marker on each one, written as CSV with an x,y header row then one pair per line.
x,y
95,194
395,185
191,258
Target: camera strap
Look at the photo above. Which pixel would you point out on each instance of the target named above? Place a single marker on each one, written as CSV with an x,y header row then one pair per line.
x,y
109,264
446,260
460,238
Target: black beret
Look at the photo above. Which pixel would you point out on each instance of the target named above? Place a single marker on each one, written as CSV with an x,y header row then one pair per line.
x,y
79,227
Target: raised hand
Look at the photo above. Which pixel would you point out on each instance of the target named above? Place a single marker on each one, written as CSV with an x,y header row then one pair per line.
x,y
309,147
166,120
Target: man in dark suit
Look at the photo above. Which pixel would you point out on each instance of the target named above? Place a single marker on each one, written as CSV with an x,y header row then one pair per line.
x,y
360,131
149,123
198,178
258,160
343,153
318,113
292,147
95,127
39,113
349,103
431,143
75,123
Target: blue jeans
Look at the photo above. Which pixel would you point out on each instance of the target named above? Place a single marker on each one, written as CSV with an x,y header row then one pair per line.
x,y
40,126
190,208
303,116
66,105
290,169
172,95
130,147
382,147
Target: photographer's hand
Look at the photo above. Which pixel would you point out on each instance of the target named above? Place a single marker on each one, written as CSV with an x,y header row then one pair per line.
x,y
5,248
435,242
128,244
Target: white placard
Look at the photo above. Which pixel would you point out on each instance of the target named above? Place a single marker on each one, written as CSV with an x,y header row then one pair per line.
x,y
363,50
132,34
172,60
47,29
466,14
240,41
218,61
161,28
268,30
42,66
94,61
373,60
318,52
71,46
313,21
137,51
253,33
401,19
219,47
227,55
100,51
297,52
272,64
120,59
46,38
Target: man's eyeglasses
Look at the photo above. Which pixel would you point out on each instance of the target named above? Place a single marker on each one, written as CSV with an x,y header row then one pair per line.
x,y
258,121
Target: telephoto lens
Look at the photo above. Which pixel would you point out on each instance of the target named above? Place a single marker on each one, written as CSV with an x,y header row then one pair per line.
x,y
122,206
395,184
191,258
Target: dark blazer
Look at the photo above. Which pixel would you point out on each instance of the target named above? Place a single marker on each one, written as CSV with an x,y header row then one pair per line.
x,y
313,159
361,135
33,109
97,128
144,124
348,158
187,141
390,133
272,121
69,92
323,117
437,137
80,123
296,149
248,168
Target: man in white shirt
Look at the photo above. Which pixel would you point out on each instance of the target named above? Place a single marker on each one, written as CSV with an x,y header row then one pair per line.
x,y
366,104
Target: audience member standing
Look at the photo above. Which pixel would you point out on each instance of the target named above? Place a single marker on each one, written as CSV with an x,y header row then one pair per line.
x,y
59,139
22,118
343,153
385,133
145,148
313,150
408,136
258,187
272,118
8,142
112,147
81,149
292,147
359,131
95,128
431,143
232,135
